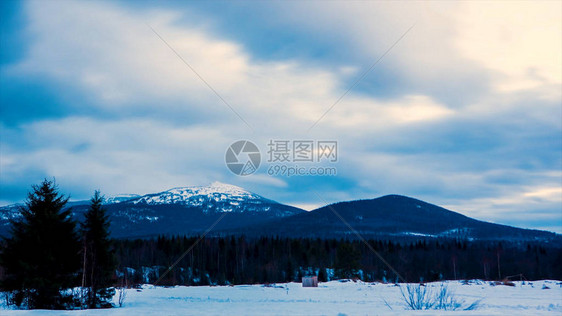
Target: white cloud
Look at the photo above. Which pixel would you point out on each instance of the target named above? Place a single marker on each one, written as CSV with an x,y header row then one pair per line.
x,y
372,114
521,40
126,156
307,206
522,206
168,129
113,56
262,179
515,44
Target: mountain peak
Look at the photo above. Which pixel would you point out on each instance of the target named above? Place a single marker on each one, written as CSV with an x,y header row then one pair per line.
x,y
119,198
216,192
215,198
222,184
220,187
215,188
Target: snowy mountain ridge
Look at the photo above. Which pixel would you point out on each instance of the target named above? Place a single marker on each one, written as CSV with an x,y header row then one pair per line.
x,y
181,210
119,198
199,195
191,210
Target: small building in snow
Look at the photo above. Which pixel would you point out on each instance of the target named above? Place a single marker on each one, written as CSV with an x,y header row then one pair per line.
x,y
310,281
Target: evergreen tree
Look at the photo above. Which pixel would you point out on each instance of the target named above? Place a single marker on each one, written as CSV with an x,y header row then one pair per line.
x,y
98,254
322,275
41,257
347,260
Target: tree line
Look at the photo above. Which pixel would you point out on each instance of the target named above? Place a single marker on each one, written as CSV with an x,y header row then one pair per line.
x,y
242,260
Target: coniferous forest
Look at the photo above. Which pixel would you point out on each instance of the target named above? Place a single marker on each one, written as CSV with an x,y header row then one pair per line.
x,y
49,256
241,260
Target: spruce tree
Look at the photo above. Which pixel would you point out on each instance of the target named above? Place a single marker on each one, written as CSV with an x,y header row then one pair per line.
x,y
41,257
347,260
322,275
98,253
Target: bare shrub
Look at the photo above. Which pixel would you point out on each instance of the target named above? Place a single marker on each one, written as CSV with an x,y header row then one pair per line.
x,y
122,295
417,297
421,297
122,291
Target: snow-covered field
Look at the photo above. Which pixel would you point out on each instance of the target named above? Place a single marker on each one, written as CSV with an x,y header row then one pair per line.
x,y
331,298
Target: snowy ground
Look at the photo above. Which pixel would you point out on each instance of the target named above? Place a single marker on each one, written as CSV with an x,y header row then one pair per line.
x,y
331,298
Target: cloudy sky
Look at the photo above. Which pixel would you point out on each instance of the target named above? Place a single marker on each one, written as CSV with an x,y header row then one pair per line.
x,y
463,107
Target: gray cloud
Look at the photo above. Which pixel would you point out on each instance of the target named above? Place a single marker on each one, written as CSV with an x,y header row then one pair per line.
x,y
454,131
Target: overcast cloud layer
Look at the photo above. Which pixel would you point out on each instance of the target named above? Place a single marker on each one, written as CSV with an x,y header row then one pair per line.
x,y
464,111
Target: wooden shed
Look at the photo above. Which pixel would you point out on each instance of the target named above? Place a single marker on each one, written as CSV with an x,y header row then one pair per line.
x,y
310,281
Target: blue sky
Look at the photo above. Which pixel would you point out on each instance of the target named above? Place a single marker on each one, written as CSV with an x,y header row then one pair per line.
x,y
464,111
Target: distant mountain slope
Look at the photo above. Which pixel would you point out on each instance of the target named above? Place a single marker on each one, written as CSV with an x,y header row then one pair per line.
x,y
393,216
215,198
193,210
186,210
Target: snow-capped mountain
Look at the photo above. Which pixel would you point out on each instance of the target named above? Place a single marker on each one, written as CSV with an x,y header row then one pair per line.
x,y
217,197
217,191
231,210
9,212
192,210
184,210
119,198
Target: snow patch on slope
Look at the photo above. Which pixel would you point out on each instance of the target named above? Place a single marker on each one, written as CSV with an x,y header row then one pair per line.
x,y
199,195
217,197
120,198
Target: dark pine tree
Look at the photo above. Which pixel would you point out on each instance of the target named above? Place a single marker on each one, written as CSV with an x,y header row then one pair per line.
x,y
98,255
322,275
347,260
41,258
